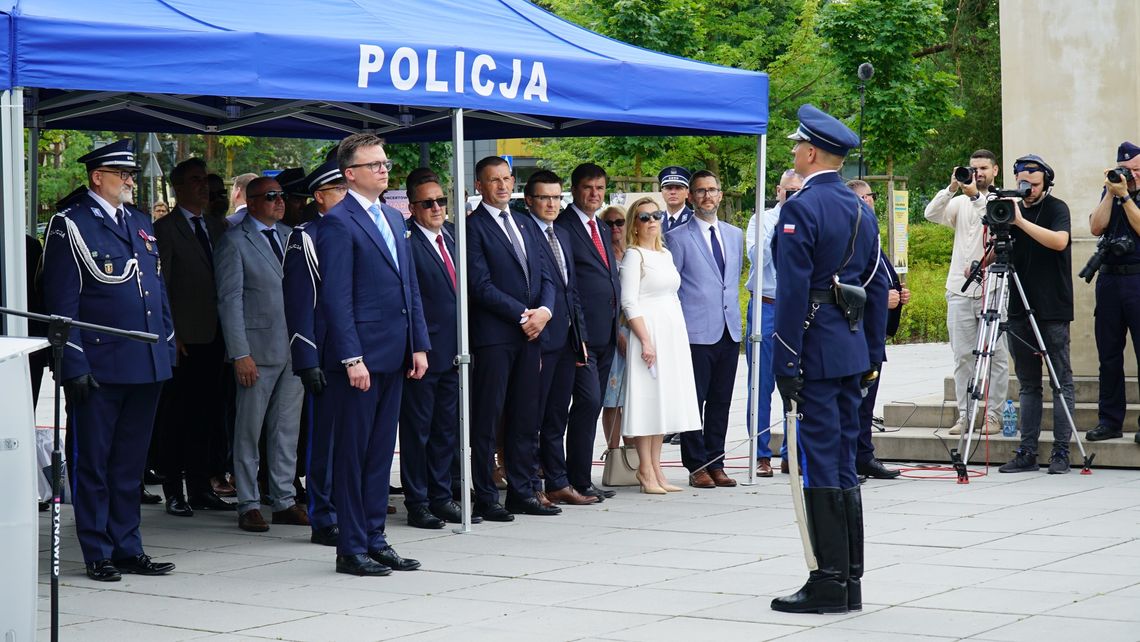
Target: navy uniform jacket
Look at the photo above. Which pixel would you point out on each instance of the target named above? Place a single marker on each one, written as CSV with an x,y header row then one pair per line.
x,y
811,241
370,309
74,285
682,218
567,309
438,296
599,287
305,324
496,283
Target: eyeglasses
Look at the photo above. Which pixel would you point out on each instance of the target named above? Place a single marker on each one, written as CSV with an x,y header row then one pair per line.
x,y
124,174
334,188
543,198
791,190
270,196
867,197
428,203
374,166
706,191
617,222
646,217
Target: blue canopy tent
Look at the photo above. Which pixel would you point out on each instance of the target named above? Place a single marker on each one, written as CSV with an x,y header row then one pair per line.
x,y
410,70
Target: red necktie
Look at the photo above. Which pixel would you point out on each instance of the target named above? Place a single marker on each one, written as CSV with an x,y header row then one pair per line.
x,y
598,241
446,259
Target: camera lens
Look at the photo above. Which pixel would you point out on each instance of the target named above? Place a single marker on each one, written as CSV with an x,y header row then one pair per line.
x,y
964,175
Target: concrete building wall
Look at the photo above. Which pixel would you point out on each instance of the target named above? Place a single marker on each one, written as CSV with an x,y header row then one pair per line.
x,y
1071,93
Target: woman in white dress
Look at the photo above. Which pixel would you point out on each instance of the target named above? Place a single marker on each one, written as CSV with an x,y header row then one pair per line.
x,y
660,395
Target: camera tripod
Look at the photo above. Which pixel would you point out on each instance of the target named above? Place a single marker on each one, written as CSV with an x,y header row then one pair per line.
x,y
994,301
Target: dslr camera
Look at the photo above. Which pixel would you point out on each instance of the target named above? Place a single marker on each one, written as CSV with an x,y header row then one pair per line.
x,y
1117,175
964,175
999,212
1118,245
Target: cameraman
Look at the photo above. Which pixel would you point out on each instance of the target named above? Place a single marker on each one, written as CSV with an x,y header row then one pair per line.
x,y
1041,257
1117,220
963,213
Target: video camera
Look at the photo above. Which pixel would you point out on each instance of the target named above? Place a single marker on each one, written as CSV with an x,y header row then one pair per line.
x,y
999,212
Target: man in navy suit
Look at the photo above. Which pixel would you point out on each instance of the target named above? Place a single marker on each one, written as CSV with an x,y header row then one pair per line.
x,y
512,295
429,413
306,340
101,265
375,337
563,341
866,464
826,235
708,254
674,182
599,289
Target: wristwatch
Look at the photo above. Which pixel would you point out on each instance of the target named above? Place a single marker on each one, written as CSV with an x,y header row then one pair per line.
x,y
353,362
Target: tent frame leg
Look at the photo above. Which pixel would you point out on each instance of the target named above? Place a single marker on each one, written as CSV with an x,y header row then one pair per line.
x,y
14,219
463,358
752,341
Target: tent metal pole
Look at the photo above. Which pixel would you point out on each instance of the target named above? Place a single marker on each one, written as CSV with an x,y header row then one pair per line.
x,y
12,160
33,175
463,358
756,337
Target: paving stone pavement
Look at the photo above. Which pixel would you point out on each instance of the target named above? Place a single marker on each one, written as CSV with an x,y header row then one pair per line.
x,y
1004,558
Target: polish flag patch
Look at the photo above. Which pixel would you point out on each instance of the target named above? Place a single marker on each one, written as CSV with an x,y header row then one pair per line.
x,y
789,228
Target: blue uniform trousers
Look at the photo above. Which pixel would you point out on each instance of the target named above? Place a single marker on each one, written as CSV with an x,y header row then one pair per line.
x,y
319,418
364,440
828,432
767,377
429,429
1117,314
714,369
865,450
109,437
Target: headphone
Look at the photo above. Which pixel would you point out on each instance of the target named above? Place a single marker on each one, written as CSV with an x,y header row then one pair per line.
x,y
1020,165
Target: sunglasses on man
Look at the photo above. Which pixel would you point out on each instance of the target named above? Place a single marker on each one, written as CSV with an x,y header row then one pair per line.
x,y
270,196
428,203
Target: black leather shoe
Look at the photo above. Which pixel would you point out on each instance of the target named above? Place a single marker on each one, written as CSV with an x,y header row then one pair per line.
x,y
452,513
494,512
390,558
209,500
421,517
594,491
103,571
176,505
1102,432
326,536
875,470
141,565
147,497
360,564
530,506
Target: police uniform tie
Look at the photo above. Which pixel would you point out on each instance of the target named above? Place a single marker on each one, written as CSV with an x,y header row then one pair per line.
x,y
121,219
271,234
446,259
557,250
718,254
385,232
516,243
203,239
598,242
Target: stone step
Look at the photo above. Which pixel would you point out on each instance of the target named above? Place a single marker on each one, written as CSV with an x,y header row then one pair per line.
x,y
933,412
914,444
1087,389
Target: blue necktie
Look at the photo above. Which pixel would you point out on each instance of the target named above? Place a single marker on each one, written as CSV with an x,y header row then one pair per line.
x,y
385,232
718,254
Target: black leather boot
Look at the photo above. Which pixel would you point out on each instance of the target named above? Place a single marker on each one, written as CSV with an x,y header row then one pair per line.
x,y
826,588
853,507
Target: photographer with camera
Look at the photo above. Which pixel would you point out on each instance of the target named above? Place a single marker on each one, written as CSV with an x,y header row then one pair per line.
x,y
963,214
1116,220
1041,257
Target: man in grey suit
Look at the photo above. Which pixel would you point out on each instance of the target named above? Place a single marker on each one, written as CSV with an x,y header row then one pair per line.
x,y
248,265
708,254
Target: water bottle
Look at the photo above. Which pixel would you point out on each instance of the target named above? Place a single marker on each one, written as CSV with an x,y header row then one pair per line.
x,y
1009,419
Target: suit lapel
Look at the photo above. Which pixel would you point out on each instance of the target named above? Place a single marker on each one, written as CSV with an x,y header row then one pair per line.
x,y
696,231
499,233
188,236
260,242
580,230
433,251
110,224
358,215
399,229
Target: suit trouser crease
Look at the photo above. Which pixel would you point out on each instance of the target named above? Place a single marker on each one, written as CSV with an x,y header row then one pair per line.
x,y
318,472
272,403
827,455
110,434
429,427
582,428
558,380
1032,375
191,422
505,381
714,371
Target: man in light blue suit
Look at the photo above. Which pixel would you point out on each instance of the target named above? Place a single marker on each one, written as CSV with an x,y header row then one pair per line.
x,y
709,254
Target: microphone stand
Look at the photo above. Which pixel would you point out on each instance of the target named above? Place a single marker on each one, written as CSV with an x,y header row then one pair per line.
x,y
58,329
862,91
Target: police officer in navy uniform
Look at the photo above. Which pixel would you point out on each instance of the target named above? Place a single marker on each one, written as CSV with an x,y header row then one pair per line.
x,y
1117,302
306,338
101,266
827,236
674,182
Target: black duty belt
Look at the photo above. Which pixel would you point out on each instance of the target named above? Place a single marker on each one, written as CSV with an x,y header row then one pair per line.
x,y
822,296
1123,270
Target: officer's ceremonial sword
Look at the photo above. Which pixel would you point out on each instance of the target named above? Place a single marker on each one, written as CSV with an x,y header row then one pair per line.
x,y
791,417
